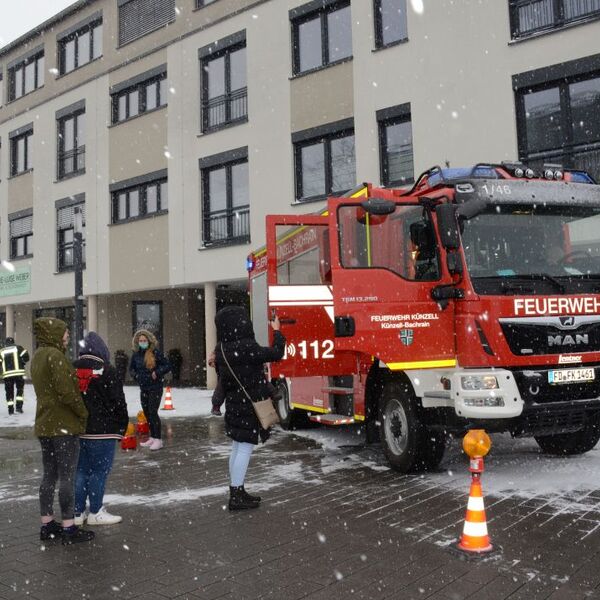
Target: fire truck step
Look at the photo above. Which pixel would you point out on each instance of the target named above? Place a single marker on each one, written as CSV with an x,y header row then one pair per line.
x,y
332,419
337,390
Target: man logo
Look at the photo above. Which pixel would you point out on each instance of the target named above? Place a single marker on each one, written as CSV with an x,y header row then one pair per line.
x,y
568,340
567,321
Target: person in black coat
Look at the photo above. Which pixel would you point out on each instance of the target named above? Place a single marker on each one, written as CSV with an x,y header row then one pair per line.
x,y
239,348
148,367
104,399
12,367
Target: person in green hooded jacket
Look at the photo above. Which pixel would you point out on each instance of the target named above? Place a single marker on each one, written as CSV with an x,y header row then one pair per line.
x,y
60,418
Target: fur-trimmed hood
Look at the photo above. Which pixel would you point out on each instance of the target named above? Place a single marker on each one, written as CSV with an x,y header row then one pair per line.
x,y
153,343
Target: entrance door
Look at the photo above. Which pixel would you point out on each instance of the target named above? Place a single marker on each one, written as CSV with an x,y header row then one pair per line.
x,y
383,270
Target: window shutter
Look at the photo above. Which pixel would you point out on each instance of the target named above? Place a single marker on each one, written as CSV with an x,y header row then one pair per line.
x,y
139,17
22,226
66,216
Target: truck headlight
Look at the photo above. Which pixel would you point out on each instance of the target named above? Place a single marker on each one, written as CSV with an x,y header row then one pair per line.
x,y
478,382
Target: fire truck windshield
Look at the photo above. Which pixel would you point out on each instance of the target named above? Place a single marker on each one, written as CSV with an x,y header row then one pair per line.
x,y
533,249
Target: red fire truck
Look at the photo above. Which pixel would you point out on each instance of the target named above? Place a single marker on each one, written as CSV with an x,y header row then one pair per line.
x,y
470,300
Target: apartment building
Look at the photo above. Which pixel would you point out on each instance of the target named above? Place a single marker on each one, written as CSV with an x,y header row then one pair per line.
x,y
174,126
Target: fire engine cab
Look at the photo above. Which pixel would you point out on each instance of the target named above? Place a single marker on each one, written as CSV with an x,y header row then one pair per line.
x,y
470,300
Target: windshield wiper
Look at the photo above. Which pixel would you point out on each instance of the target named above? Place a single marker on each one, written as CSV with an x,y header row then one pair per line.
x,y
541,277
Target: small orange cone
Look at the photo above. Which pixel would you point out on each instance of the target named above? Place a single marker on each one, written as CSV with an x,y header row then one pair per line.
x,y
168,400
475,538
142,426
129,441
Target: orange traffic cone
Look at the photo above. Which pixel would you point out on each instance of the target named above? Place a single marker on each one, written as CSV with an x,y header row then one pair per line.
x,y
142,426
475,538
168,400
129,441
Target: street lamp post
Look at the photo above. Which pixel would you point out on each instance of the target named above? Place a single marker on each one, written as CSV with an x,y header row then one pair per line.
x,y
78,266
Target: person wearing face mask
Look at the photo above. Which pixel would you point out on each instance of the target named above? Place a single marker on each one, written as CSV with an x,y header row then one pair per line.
x,y
148,367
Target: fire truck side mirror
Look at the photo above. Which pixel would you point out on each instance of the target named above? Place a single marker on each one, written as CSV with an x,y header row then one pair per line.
x,y
448,226
379,206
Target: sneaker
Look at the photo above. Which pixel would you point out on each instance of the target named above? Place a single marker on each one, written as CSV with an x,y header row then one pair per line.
x,y
216,411
80,518
103,517
147,443
50,531
74,535
157,444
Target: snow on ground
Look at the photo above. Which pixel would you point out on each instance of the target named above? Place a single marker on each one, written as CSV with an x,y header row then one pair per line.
x,y
513,468
188,402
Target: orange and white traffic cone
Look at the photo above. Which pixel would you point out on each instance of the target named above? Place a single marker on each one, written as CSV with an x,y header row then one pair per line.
x,y
475,538
142,425
129,441
168,400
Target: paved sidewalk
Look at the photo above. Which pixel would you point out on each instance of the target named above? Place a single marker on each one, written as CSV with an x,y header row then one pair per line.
x,y
329,528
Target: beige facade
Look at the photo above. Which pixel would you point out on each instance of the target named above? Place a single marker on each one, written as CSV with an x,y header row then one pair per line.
x,y
454,71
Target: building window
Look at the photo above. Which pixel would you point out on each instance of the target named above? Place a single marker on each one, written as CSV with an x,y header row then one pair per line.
x,y
226,203
80,47
325,165
26,76
528,17
201,3
322,37
65,219
140,200
558,122
21,237
224,88
140,98
20,153
140,17
396,150
71,144
390,22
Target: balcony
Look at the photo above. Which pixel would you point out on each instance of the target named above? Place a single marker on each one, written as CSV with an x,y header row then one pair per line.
x,y
530,17
225,110
227,227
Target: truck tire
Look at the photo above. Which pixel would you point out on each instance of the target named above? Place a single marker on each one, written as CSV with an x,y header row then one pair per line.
x,y
288,417
400,429
566,444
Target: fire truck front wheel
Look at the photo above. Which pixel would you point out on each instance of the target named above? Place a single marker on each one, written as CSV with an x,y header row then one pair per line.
x,y
570,443
400,428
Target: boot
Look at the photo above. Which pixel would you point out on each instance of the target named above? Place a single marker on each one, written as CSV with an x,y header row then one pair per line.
x,y
19,406
250,496
237,500
50,531
74,535
11,409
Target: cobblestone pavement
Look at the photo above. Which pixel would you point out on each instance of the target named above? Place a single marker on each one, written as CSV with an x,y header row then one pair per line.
x,y
331,527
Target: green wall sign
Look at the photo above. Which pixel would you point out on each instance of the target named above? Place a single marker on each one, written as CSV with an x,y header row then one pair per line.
x,y
15,283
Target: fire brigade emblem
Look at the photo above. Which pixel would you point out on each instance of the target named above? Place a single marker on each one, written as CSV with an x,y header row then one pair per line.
x,y
406,336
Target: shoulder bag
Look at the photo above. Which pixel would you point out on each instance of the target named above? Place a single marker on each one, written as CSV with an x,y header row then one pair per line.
x,y
265,411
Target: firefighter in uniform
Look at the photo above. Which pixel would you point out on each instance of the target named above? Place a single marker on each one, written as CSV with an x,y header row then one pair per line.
x,y
12,367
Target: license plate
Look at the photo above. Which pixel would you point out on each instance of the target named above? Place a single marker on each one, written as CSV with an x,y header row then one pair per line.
x,y
571,375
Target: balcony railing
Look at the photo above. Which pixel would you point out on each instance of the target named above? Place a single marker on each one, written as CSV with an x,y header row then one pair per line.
x,y
225,109
72,161
227,226
533,16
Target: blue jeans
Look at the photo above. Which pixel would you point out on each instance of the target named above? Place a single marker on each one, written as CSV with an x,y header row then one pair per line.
x,y
238,462
95,462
